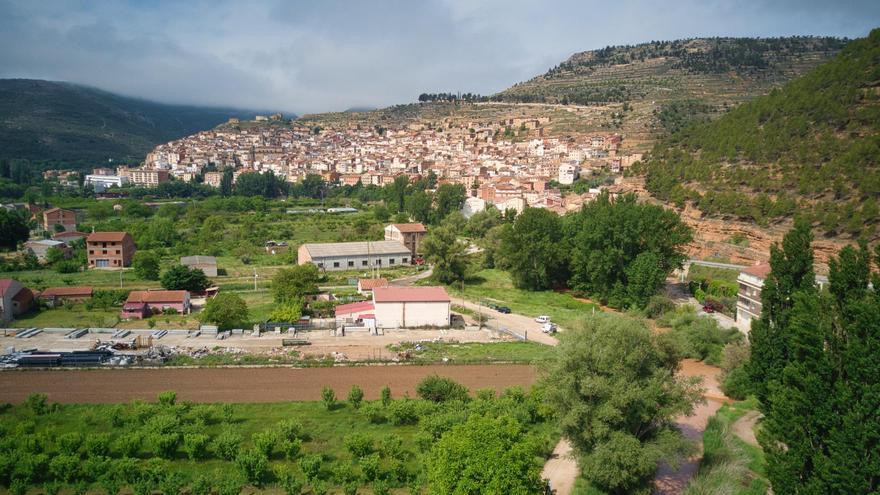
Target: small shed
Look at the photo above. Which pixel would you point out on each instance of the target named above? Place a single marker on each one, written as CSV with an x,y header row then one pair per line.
x,y
207,264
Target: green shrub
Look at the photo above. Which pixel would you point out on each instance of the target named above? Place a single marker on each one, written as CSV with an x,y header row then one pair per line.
x,y
355,396
386,395
290,448
38,403
329,398
290,483
201,486
264,442
253,465
290,429
226,444
168,398
195,445
439,389
403,412
358,444
311,466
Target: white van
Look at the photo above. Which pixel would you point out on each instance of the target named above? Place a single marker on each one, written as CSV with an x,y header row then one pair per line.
x,y
543,319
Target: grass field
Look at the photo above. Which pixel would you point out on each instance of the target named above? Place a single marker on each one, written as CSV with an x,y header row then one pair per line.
x,y
476,352
74,316
493,285
169,446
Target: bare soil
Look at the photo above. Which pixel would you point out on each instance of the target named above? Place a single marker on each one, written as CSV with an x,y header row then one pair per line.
x,y
246,384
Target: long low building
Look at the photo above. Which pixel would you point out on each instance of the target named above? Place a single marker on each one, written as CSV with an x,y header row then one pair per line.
x,y
411,307
335,256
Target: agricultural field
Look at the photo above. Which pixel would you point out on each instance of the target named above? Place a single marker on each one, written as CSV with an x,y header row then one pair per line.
x,y
476,352
337,445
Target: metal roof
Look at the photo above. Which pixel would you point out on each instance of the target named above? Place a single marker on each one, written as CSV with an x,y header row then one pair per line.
x,y
198,260
344,249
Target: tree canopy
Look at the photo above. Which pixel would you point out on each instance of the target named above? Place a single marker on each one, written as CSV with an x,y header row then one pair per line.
x,y
484,455
445,251
819,364
622,250
292,284
615,393
225,310
180,277
535,251
13,229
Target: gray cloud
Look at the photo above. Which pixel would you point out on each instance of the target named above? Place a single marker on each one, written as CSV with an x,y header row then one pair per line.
x,y
330,55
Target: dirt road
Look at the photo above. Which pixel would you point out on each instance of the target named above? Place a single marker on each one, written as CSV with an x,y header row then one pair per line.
x,y
246,384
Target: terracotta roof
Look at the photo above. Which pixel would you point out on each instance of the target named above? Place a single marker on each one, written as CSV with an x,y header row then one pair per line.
x,y
410,294
107,236
67,291
410,227
155,296
761,270
357,307
5,284
372,283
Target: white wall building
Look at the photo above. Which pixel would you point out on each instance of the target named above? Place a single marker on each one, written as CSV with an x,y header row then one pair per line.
x,y
102,182
411,307
568,173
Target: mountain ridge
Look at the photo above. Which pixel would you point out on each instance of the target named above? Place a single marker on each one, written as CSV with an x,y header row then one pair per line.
x,y
63,121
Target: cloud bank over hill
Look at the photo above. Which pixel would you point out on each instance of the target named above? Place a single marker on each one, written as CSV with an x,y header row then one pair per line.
x,y
318,56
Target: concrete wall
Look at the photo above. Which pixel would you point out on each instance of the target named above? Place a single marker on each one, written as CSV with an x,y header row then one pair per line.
x,y
412,314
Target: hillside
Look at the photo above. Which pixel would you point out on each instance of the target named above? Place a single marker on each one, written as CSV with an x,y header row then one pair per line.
x,y
660,86
44,120
811,147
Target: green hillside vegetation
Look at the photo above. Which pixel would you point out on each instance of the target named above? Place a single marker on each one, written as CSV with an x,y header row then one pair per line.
x,y
706,68
810,147
46,120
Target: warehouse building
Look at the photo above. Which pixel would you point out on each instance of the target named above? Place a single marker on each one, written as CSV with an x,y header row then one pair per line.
x,y
335,256
411,307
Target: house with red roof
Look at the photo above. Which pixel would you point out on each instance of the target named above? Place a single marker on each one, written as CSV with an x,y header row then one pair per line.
x,y
366,285
411,307
410,235
144,303
15,299
56,295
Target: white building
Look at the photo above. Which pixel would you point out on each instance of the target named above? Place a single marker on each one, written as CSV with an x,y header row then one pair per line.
x,y
748,302
472,206
411,307
101,182
568,173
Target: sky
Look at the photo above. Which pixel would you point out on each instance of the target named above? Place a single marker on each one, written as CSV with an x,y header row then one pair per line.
x,y
326,55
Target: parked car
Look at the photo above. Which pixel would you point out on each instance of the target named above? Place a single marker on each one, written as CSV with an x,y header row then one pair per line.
x,y
503,309
548,328
708,309
543,319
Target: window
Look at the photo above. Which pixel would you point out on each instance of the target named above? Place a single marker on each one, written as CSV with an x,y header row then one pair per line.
x,y
404,260
364,263
335,264
391,261
378,262
351,263
320,265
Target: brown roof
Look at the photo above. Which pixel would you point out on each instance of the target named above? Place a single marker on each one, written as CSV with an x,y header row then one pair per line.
x,y
63,235
67,292
410,227
107,236
156,296
761,270
372,283
410,294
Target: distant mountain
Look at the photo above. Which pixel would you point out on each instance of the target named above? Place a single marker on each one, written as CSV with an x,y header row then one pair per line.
x,y
810,148
46,120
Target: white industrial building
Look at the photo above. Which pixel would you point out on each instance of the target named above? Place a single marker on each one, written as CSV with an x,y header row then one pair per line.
x,y
102,182
411,307
335,256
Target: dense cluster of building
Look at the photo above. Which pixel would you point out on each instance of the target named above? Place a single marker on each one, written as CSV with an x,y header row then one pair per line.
x,y
509,163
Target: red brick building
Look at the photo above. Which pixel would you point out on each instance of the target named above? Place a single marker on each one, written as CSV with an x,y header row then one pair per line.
x,y
109,249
